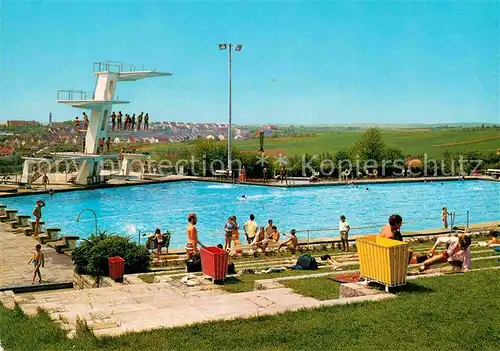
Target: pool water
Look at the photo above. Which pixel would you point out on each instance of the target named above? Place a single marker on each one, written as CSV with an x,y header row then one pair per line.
x,y
128,210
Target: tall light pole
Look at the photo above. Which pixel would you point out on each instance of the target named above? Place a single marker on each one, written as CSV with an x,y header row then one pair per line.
x,y
230,47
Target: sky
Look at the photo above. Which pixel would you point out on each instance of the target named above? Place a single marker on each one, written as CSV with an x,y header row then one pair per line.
x,y
301,63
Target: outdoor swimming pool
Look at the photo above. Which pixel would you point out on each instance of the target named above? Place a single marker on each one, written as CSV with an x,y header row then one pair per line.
x,y
126,210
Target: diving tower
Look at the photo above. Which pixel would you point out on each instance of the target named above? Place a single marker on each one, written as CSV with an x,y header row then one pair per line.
x,y
100,103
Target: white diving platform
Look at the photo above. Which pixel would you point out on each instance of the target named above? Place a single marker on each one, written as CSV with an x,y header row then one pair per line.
x,y
100,102
91,104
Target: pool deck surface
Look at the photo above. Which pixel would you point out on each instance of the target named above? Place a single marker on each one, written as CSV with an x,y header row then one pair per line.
x,y
15,252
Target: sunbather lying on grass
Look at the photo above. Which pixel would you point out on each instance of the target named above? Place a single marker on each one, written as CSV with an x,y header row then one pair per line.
x,y
457,252
494,239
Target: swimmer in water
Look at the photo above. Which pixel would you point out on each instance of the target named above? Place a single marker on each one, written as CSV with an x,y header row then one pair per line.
x,y
243,197
366,188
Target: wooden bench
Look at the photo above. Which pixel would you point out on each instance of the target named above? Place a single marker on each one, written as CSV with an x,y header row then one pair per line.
x,y
493,172
221,173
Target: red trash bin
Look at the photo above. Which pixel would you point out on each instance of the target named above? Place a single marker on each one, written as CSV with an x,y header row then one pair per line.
x,y
116,268
214,262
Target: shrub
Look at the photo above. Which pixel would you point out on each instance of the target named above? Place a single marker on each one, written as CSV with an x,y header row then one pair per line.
x,y
91,257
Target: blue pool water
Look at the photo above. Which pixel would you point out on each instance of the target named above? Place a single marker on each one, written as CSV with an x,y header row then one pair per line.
x,y
126,210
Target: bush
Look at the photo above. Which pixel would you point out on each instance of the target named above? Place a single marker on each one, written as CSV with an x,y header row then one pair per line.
x,y
91,257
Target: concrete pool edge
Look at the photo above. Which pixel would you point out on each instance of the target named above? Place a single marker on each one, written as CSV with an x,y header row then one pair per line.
x,y
250,183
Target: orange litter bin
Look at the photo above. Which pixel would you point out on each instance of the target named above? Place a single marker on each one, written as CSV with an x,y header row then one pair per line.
x,y
116,268
214,262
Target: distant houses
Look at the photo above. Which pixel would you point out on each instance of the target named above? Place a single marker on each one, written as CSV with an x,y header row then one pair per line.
x,y
22,123
7,151
268,130
159,132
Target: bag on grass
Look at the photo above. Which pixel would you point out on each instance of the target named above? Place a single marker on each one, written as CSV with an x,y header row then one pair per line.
x,y
307,262
231,269
193,265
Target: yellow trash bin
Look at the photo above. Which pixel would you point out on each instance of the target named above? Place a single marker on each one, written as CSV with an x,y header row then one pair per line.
x,y
382,260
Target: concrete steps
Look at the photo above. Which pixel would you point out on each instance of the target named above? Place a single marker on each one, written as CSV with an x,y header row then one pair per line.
x,y
65,243
9,216
50,235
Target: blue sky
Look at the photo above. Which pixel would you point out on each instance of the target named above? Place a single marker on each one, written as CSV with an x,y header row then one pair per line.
x,y
336,62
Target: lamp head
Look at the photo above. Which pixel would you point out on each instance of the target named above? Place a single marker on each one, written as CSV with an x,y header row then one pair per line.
x,y
238,47
222,46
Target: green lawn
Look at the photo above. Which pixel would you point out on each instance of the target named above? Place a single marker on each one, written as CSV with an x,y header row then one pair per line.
x,y
321,288
246,282
458,312
410,141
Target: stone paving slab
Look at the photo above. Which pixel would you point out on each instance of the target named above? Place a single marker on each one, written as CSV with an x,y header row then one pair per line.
x,y
115,310
16,251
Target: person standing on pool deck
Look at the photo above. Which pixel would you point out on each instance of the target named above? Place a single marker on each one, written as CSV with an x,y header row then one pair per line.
x,y
228,233
444,217
45,181
192,234
344,228
38,261
250,228
37,212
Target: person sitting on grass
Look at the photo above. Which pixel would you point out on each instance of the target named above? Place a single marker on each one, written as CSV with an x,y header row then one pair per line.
x,y
494,239
261,241
275,235
291,243
457,252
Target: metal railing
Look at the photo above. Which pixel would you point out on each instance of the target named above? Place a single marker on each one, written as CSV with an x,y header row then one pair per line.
x,y
116,67
78,95
74,95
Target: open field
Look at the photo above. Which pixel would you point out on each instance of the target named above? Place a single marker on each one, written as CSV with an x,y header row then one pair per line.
x,y
410,141
424,317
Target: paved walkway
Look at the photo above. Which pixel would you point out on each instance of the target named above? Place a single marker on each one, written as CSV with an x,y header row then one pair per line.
x,y
118,309
16,251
